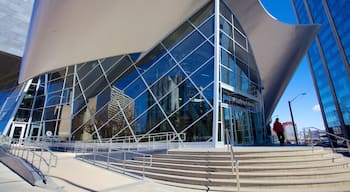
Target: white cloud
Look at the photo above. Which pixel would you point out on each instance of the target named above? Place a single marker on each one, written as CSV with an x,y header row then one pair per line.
x,y
316,108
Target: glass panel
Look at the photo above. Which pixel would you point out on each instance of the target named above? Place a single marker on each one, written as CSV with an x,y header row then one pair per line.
x,y
90,78
106,113
129,76
84,69
224,75
77,90
135,88
140,105
241,54
22,115
238,25
208,27
67,95
69,81
78,104
103,98
117,69
57,74
178,97
159,69
53,98
189,113
55,85
177,35
66,111
204,75
114,126
240,39
50,127
71,69
82,117
148,120
51,113
109,62
187,45
150,58
163,127
201,130
226,27
168,82
225,11
209,93
197,58
96,88
226,42
134,56
37,113
204,13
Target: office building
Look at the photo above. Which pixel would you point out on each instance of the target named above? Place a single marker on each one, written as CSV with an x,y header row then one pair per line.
x,y
329,58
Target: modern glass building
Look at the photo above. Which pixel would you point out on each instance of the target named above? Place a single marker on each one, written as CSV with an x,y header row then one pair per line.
x,y
200,78
329,58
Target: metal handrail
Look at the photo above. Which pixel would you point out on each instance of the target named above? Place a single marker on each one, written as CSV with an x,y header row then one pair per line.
x,y
32,153
234,160
330,135
107,157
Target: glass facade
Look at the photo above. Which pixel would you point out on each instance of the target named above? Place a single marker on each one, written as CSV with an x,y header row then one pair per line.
x,y
329,59
170,88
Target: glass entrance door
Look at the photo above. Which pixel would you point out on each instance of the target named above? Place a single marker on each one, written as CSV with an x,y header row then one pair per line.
x,y
17,131
242,125
34,132
227,123
236,122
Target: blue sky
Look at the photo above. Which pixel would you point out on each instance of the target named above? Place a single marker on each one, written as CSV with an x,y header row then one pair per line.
x,y
305,108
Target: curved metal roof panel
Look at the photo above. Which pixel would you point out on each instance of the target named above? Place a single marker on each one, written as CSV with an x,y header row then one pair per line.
x,y
66,32
278,47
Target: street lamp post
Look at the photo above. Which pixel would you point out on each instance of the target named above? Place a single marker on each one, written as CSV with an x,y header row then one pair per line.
x,y
291,114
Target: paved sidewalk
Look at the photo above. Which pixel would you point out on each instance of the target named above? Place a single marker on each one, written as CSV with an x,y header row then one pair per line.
x,y
75,175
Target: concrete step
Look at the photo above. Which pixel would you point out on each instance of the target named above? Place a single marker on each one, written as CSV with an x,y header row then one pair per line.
x,y
255,189
274,169
244,168
247,182
240,152
256,175
265,156
279,162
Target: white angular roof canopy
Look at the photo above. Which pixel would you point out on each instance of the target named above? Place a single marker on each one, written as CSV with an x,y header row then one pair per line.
x,y
67,32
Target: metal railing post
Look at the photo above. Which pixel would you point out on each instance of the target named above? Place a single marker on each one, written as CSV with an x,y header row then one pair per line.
x,y
124,154
237,177
143,167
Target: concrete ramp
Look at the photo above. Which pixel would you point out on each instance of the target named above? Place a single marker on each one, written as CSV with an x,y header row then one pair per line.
x,y
21,168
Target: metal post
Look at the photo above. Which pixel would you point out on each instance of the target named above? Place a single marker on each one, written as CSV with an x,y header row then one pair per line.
x,y
291,114
124,161
237,176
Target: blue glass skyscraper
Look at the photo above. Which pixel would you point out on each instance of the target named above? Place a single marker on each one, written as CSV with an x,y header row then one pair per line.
x,y
329,58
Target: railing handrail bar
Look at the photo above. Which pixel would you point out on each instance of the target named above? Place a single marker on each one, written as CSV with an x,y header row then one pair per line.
x,y
328,133
233,157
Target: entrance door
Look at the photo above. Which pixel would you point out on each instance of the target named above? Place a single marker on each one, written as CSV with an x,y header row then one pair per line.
x,y
242,125
34,132
227,123
17,131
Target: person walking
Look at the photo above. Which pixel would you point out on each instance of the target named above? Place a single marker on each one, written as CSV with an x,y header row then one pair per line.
x,y
279,130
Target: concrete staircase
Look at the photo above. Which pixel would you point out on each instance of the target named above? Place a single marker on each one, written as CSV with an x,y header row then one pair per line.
x,y
260,169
